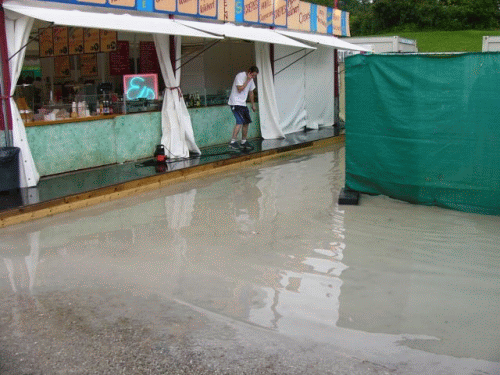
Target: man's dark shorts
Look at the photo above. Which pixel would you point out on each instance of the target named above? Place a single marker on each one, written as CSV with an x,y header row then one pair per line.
x,y
242,114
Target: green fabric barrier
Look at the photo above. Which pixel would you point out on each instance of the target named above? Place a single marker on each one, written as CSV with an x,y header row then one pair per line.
x,y
425,129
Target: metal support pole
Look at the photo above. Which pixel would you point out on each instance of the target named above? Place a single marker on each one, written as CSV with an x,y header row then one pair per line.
x,y
336,101
173,55
336,96
271,57
6,111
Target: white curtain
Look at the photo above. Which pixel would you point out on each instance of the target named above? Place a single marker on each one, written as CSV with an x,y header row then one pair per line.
x,y
177,130
319,88
305,89
18,29
290,88
268,107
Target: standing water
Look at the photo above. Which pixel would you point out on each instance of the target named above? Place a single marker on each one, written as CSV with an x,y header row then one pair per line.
x,y
383,287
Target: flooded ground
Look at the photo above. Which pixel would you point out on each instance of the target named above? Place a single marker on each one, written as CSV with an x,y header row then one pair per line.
x,y
256,271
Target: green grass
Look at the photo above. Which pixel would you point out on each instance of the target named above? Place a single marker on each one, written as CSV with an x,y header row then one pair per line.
x,y
448,41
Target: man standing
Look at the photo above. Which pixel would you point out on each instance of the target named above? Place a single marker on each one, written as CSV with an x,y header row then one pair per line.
x,y
243,87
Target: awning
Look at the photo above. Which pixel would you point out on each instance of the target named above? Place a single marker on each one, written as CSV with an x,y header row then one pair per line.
x,y
255,34
100,18
324,40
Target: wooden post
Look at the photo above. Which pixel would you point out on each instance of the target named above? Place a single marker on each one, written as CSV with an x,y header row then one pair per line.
x,y
336,96
6,117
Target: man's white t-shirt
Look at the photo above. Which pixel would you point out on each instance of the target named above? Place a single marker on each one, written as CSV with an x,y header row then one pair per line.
x,y
240,98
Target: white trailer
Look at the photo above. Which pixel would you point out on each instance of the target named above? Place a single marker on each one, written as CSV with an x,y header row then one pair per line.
x,y
386,44
491,43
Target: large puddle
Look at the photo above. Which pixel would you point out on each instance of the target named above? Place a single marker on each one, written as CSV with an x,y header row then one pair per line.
x,y
269,246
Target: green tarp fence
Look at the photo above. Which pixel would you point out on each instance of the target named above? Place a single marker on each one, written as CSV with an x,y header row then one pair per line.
x,y
425,129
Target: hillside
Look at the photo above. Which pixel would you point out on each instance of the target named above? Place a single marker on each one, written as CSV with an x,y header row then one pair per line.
x,y
448,41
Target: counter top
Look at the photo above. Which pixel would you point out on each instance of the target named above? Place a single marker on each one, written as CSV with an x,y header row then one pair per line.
x,y
68,120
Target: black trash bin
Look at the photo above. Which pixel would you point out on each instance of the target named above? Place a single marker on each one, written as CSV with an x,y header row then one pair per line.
x,y
9,168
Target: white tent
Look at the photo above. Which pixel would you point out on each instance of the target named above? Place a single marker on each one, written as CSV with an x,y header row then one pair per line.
x,y
176,124
323,40
308,79
255,34
268,109
19,21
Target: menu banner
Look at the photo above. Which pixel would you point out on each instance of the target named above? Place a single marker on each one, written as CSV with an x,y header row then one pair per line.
x,y
108,40
62,66
119,63
88,65
91,39
46,43
148,60
60,35
75,40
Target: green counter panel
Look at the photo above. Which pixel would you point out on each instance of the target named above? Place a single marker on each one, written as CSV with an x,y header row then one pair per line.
x,y
78,145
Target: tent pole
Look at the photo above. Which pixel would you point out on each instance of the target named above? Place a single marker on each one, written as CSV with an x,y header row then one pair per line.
x,y
336,102
6,116
271,57
173,55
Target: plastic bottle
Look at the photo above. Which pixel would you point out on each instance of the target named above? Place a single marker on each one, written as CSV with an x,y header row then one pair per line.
x,y
74,112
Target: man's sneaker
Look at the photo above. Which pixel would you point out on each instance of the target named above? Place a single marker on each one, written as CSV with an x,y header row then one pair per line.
x,y
246,146
234,145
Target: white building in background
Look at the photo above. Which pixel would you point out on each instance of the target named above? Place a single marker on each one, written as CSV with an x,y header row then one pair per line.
x,y
491,43
383,44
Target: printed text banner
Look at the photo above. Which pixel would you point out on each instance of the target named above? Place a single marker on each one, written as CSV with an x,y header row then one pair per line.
x,y
266,10
226,10
280,13
321,19
291,14
208,8
122,3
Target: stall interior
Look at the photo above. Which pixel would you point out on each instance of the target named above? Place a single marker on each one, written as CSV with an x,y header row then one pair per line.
x,y
72,72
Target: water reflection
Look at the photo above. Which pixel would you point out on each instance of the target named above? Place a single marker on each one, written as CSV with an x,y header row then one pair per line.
x,y
271,247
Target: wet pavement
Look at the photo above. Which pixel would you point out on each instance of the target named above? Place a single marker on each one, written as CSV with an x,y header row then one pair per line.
x,y
254,271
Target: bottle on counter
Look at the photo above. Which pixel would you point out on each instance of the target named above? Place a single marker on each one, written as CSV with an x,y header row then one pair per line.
x,y
74,112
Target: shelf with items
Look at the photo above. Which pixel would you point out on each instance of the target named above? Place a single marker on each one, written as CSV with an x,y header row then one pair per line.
x,y
196,99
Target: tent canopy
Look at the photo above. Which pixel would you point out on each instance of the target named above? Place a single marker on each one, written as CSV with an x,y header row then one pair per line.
x,y
93,18
255,34
324,40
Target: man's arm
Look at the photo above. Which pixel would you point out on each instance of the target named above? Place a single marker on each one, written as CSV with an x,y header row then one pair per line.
x,y
240,88
251,96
